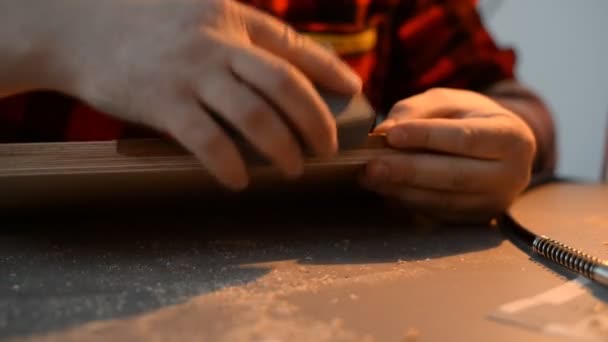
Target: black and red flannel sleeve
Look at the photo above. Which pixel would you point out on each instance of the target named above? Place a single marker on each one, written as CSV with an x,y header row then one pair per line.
x,y
443,44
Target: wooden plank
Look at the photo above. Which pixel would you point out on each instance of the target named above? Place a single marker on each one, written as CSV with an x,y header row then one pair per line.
x,y
68,173
120,170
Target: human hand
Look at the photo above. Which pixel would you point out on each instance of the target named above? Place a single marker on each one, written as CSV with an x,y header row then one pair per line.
x,y
465,158
180,65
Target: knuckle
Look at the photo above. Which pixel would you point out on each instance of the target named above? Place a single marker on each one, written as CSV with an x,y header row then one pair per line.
x,y
255,116
468,140
284,77
214,89
209,144
438,92
291,38
425,136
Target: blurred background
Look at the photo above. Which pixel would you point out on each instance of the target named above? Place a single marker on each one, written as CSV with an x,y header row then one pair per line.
x,y
563,54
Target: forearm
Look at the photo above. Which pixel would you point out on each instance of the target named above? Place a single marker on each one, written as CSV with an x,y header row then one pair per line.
x,y
523,102
27,59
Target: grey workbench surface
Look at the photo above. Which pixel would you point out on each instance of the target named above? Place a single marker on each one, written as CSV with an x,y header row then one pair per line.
x,y
350,270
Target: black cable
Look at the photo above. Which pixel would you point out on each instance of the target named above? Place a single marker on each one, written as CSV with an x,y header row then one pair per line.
x,y
559,253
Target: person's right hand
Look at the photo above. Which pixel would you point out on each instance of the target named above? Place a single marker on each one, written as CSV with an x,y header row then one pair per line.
x,y
171,64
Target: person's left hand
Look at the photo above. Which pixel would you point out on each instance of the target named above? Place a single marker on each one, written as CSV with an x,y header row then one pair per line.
x,y
465,157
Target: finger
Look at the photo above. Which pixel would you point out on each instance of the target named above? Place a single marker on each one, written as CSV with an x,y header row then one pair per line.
x,y
439,103
251,115
476,137
442,204
418,106
439,172
320,65
290,91
194,128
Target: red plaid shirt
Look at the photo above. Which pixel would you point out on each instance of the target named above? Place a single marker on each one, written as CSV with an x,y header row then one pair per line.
x,y
415,45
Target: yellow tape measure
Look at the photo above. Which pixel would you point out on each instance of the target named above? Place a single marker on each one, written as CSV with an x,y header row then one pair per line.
x,y
347,43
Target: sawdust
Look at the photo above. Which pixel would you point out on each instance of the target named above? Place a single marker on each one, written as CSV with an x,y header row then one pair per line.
x,y
238,290
258,310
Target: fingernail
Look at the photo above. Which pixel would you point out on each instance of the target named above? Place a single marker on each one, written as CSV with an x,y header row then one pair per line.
x,y
397,137
384,126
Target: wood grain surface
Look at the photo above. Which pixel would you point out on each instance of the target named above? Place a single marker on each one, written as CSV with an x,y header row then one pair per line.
x,y
52,174
69,173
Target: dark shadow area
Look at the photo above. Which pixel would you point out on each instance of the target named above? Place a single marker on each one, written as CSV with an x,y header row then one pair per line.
x,y
67,267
